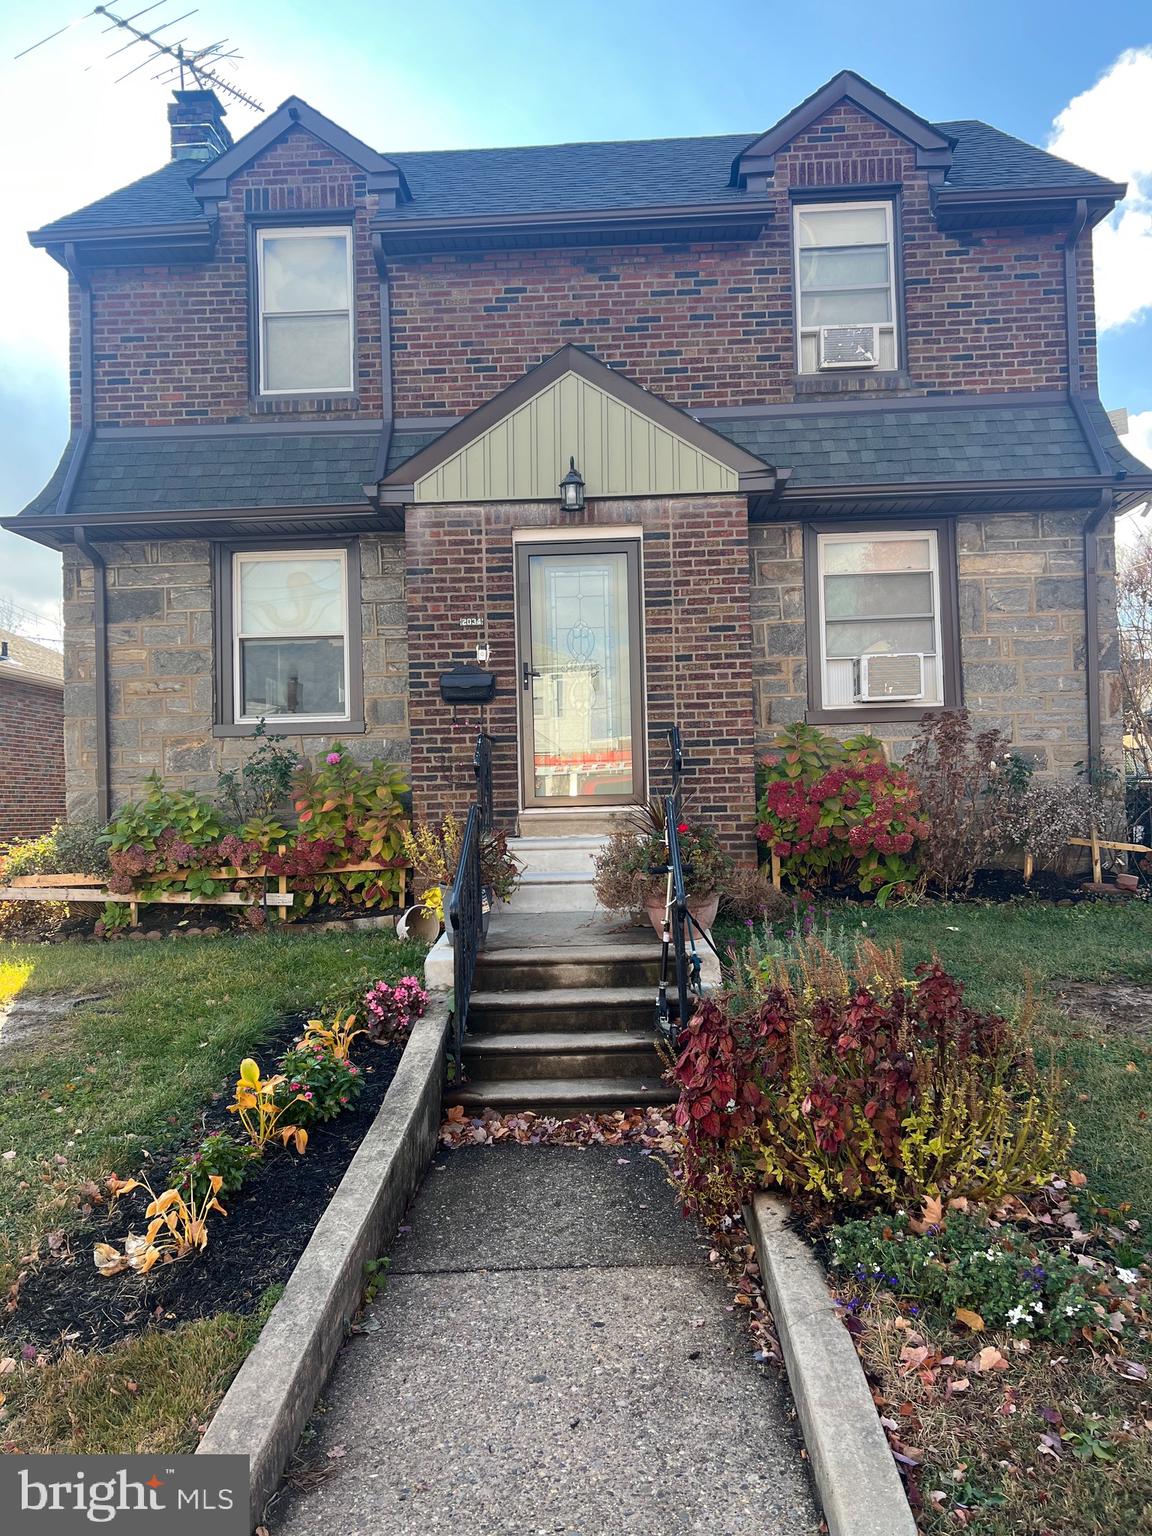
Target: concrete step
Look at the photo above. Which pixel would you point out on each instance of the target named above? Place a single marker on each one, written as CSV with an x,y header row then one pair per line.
x,y
571,821
554,891
565,854
562,1009
562,1095
553,1054
602,965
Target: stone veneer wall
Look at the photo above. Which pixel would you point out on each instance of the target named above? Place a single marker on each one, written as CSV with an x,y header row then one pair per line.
x,y
161,668
1021,582
696,645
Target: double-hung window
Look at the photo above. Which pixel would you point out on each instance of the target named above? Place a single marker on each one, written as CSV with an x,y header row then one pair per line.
x,y
290,635
881,636
845,286
305,300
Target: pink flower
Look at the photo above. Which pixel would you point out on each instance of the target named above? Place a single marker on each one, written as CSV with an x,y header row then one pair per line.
x,y
353,1071
333,757
308,1096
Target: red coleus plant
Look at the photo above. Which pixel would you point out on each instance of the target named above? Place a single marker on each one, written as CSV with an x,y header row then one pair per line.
x,y
834,811
859,1087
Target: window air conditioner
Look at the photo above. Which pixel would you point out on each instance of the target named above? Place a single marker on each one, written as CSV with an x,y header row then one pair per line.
x,y
882,678
849,346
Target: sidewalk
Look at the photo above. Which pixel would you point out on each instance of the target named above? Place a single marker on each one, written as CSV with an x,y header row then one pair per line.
x,y
554,1354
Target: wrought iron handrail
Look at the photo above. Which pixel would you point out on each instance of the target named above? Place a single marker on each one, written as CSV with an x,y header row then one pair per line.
x,y
465,914
482,766
681,927
676,745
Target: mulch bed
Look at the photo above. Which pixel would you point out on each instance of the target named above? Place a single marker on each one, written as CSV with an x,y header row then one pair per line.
x,y
65,1300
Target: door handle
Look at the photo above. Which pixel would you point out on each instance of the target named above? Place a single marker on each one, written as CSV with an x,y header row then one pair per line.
x,y
529,674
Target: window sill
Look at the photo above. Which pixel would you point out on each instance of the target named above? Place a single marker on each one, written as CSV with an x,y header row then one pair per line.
x,y
290,728
870,382
879,714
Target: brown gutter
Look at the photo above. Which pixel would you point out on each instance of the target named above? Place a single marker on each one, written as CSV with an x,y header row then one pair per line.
x,y
100,670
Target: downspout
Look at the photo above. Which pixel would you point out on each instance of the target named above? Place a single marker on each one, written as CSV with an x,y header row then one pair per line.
x,y
386,379
80,538
1103,467
100,669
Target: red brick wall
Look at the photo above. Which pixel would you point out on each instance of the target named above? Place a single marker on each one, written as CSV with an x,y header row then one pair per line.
x,y
171,343
31,758
697,646
706,324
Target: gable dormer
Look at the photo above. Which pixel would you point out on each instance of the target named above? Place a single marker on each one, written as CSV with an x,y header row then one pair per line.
x,y
385,180
754,168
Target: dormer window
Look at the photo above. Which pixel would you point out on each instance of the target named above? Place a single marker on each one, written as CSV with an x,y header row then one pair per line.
x,y
845,286
305,294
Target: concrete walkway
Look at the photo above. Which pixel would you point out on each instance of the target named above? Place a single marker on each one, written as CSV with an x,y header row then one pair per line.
x,y
554,1354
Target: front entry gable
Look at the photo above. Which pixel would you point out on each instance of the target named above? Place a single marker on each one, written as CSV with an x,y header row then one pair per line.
x,y
625,441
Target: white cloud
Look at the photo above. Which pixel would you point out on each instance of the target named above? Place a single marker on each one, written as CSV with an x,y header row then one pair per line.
x,y
1139,438
1108,129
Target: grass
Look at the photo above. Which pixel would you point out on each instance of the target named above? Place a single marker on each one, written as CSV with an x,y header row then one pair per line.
x,y
981,1444
153,1393
126,1072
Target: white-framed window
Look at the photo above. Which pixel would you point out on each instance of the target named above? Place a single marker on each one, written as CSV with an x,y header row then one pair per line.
x,y
879,617
845,265
290,636
305,297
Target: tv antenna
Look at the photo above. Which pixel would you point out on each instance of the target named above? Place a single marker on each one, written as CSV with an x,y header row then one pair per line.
x,y
198,66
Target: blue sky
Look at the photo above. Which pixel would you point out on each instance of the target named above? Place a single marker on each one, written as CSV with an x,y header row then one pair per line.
x,y
459,73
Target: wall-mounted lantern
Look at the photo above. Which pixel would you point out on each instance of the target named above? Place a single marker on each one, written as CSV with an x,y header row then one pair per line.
x,y
572,489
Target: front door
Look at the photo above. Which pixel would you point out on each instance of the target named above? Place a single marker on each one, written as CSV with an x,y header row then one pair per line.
x,y
581,674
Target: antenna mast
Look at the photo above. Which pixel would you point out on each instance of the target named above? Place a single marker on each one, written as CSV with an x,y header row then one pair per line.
x,y
181,62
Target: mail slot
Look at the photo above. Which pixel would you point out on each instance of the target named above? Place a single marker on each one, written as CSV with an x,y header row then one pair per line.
x,y
467,685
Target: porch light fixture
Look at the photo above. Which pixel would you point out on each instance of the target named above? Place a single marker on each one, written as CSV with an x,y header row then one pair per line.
x,y
572,489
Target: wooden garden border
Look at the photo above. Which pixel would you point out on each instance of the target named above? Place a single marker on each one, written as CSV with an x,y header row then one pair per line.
x,y
1095,842
93,888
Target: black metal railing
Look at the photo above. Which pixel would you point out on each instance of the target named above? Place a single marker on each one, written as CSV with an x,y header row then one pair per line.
x,y
482,765
681,929
466,917
676,746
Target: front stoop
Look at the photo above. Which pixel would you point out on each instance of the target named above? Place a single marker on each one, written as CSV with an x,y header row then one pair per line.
x,y
563,1017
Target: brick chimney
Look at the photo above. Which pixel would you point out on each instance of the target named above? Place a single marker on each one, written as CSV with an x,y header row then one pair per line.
x,y
197,122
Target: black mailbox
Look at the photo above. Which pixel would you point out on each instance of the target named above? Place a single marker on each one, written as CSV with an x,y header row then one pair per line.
x,y
467,684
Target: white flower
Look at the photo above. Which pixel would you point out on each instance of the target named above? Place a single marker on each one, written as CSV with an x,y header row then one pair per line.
x,y
1037,1306
1017,1316
1127,1276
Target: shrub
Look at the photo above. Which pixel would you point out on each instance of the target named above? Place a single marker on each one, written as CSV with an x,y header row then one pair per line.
x,y
261,786
955,768
356,812
1002,1275
218,1156
316,1085
750,897
30,856
392,1010
856,1087
623,877
836,811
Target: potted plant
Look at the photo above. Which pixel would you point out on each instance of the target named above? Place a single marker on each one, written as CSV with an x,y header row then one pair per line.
x,y
626,874
433,849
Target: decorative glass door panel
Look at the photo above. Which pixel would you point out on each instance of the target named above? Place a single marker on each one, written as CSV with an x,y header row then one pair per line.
x,y
580,673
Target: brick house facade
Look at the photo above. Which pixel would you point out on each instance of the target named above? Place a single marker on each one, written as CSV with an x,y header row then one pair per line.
x,y
376,369
31,738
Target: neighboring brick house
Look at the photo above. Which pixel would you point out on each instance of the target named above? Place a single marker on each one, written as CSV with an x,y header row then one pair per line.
x,y
831,389
31,737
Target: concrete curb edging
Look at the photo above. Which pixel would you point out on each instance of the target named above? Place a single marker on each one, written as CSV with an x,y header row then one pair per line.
x,y
856,1478
273,1394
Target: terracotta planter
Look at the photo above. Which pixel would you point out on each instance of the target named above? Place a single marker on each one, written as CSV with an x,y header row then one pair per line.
x,y
703,909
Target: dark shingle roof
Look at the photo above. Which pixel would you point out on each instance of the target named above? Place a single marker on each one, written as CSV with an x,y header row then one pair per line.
x,y
902,445
554,178
191,472
894,444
